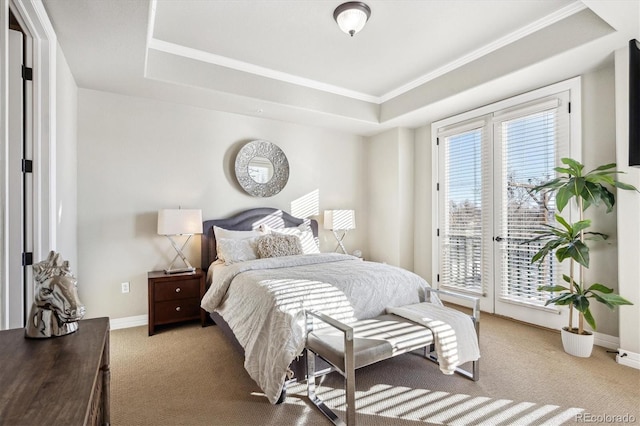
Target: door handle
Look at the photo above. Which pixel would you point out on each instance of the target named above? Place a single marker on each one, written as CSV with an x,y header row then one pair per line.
x,y
498,239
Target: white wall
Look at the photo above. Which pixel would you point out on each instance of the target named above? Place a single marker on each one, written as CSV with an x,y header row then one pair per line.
x,y
406,179
390,186
628,214
66,162
136,156
598,148
423,205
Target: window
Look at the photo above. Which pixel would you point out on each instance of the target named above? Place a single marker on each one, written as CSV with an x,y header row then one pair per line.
x,y
488,160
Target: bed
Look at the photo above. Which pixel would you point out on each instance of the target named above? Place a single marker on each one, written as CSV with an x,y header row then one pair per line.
x,y
259,303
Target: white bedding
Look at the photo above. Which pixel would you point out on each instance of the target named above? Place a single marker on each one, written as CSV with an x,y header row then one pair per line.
x,y
263,302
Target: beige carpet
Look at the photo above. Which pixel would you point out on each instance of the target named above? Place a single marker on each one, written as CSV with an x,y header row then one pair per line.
x,y
190,375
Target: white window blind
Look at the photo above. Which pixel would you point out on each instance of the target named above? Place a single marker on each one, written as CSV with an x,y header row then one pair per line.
x,y
532,140
467,175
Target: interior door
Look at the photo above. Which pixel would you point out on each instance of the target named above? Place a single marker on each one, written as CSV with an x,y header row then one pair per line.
x,y
19,288
15,285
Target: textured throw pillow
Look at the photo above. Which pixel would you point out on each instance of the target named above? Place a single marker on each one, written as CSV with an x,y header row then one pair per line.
x,y
232,251
303,232
277,245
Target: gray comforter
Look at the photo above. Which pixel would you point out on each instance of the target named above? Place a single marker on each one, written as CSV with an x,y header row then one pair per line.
x,y
264,300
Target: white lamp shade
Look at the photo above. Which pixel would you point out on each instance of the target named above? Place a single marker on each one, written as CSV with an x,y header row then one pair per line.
x,y
179,221
341,220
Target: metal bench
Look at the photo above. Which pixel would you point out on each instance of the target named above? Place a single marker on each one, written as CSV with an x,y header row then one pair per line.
x,y
347,347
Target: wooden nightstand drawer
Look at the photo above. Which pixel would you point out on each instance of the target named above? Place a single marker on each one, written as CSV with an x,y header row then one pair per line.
x,y
175,298
171,290
177,310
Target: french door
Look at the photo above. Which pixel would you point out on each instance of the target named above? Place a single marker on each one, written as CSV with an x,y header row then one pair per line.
x,y
487,165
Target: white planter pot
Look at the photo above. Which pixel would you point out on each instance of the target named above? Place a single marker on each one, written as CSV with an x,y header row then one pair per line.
x,y
577,344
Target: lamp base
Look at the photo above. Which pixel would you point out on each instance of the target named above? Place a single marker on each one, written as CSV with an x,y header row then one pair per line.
x,y
340,243
191,270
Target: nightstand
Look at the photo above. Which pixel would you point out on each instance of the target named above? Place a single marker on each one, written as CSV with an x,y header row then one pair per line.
x,y
175,298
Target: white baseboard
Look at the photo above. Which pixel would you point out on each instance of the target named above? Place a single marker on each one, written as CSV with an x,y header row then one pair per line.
x,y
128,322
606,341
630,359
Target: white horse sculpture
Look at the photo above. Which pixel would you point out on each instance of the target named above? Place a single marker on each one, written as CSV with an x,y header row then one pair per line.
x,y
56,308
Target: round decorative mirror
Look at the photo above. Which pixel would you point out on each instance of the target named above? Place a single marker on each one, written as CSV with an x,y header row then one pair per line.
x,y
262,168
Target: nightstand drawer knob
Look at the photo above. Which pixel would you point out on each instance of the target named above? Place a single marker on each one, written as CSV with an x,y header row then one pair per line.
x,y
178,308
178,290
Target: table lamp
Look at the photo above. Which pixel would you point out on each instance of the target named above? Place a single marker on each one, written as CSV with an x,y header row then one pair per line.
x,y
174,222
340,221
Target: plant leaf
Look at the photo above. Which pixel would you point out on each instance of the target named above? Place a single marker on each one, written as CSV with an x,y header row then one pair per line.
x,y
590,320
580,225
562,300
562,222
552,184
604,167
575,166
579,252
595,236
544,251
602,300
581,303
564,194
590,195
601,288
615,299
625,186
552,288
561,170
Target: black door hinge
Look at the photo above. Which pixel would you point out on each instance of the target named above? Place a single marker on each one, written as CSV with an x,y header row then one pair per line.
x,y
27,259
437,232
27,73
438,278
438,186
569,107
27,166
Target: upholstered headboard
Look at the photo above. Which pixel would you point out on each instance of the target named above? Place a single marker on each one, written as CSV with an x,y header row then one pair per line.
x,y
246,221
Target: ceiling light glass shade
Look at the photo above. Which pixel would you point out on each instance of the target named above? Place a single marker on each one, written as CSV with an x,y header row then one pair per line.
x,y
352,16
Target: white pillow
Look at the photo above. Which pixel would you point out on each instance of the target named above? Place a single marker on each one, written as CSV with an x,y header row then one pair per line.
x,y
303,232
232,251
235,235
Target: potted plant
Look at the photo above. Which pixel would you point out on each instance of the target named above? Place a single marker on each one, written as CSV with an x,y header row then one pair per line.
x,y
569,241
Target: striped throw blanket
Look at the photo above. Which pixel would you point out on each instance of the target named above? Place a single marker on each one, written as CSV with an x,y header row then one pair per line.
x,y
455,338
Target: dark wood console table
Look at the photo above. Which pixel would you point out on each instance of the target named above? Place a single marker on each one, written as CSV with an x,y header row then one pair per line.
x,y
57,381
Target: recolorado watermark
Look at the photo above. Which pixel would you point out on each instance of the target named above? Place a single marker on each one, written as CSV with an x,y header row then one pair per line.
x,y
605,418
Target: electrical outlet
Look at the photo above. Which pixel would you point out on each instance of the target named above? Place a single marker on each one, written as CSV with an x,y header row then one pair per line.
x,y
125,287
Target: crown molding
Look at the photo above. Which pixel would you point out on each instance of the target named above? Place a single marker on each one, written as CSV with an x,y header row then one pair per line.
x,y
548,20
223,61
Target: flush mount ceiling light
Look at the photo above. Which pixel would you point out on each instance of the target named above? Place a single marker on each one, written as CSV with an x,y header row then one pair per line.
x,y
352,16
